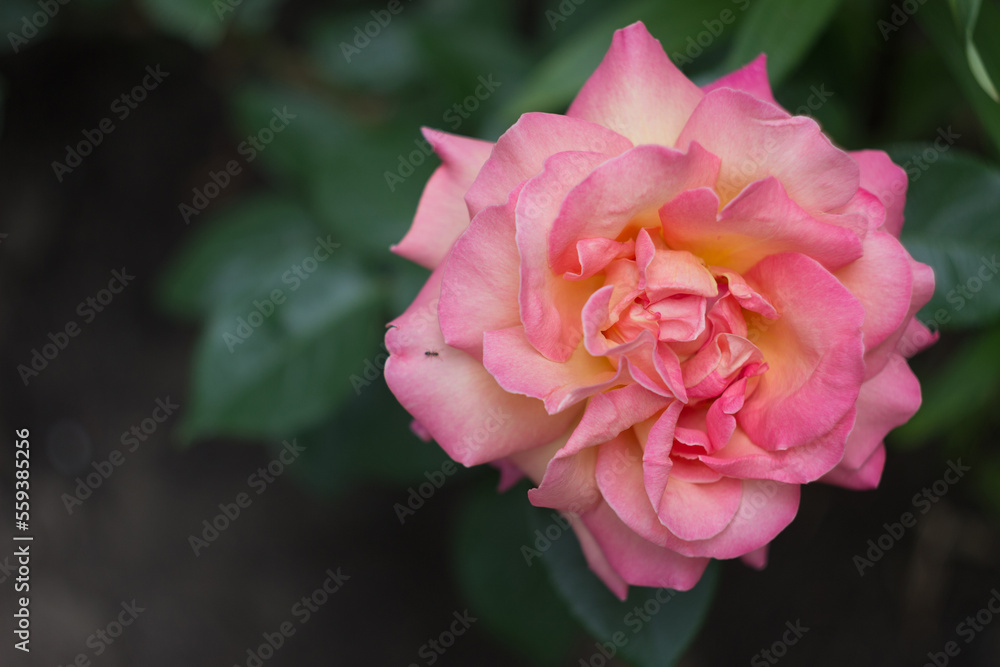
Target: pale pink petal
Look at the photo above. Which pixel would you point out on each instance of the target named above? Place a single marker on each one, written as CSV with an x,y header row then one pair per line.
x,y
479,287
454,398
814,353
916,338
887,181
882,281
863,214
625,193
549,305
418,430
637,561
757,559
609,413
751,78
597,561
745,296
798,465
510,474
656,460
593,255
761,221
665,272
569,483
766,508
637,91
863,478
756,139
442,214
523,149
886,401
698,511
521,369
712,370
911,336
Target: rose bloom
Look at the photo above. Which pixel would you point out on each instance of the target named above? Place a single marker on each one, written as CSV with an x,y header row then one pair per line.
x,y
669,308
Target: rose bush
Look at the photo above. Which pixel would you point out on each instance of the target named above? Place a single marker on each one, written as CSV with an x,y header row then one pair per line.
x,y
669,308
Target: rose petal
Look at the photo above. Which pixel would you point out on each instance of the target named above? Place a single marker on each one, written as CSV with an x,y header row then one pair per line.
x,y
886,401
549,305
756,139
442,214
698,511
751,78
479,286
521,152
455,399
637,91
761,221
887,181
638,561
520,368
624,192
798,465
814,353
882,281
863,478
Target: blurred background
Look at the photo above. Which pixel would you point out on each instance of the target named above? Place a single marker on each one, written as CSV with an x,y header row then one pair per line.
x,y
196,203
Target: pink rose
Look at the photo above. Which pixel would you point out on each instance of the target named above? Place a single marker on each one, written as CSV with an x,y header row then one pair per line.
x,y
669,308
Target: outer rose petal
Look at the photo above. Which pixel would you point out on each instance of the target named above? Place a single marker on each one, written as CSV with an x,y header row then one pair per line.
x,y
637,561
911,336
755,140
814,352
569,483
751,78
479,287
637,91
767,507
882,281
523,149
887,181
886,401
864,478
597,561
442,214
453,397
694,511
757,559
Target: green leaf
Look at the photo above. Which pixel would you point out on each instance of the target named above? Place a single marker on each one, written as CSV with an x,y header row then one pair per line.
x,y
783,29
653,626
514,598
959,396
204,22
237,255
935,19
280,373
368,439
951,224
966,14
338,167
197,21
561,74
386,63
